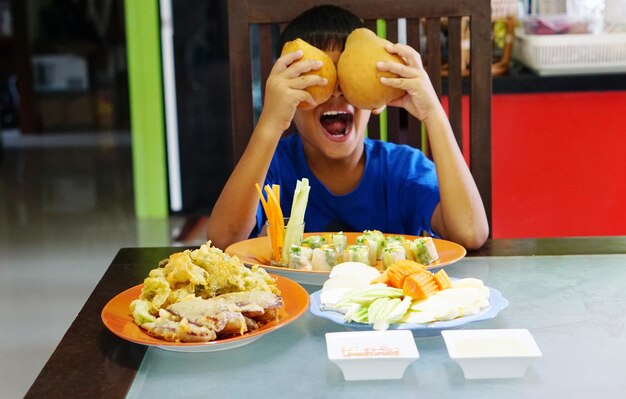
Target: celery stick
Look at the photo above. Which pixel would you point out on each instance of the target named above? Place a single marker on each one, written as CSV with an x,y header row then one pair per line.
x,y
295,226
357,314
399,310
368,295
377,304
379,311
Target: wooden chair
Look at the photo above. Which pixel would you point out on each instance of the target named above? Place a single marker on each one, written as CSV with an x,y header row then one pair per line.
x,y
255,23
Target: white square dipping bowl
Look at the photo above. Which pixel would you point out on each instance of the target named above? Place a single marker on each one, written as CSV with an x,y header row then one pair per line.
x,y
372,355
498,353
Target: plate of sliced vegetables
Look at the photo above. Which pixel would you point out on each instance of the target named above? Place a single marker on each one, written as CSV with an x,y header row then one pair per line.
x,y
496,304
405,296
256,251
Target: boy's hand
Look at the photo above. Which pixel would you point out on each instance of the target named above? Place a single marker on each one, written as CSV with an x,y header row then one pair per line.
x,y
285,88
420,99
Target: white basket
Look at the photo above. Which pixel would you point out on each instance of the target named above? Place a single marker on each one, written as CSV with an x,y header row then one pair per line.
x,y
503,8
571,54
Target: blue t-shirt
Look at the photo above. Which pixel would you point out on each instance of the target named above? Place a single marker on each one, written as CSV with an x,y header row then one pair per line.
x,y
397,193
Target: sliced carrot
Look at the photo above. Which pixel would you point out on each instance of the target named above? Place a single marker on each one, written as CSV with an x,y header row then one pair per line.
x,y
419,285
442,280
383,278
399,270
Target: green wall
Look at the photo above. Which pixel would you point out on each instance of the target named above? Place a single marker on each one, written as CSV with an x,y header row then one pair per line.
x,y
146,108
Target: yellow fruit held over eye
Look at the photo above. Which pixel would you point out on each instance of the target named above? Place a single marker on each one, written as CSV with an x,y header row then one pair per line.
x,y
359,78
320,93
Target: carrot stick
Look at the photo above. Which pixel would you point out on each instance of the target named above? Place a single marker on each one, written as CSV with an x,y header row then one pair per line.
x,y
276,203
263,202
276,190
269,212
277,223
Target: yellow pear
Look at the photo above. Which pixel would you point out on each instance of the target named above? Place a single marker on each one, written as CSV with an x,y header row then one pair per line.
x,y
328,70
358,76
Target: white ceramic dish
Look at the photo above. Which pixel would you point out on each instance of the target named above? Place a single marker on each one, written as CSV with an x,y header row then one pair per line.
x,y
497,353
496,303
372,355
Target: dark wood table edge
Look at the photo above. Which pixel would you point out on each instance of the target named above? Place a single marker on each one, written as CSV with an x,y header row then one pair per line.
x,y
77,368
552,246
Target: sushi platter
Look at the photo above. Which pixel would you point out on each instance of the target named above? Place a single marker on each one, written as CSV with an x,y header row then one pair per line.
x,y
256,251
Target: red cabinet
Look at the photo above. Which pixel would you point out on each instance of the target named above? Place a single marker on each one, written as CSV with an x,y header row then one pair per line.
x,y
559,164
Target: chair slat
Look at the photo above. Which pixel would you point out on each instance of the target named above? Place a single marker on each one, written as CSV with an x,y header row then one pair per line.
x,y
480,108
373,125
455,91
266,53
433,63
393,113
414,126
433,52
240,61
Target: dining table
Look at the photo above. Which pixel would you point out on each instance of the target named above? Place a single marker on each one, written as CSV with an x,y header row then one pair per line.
x,y
570,293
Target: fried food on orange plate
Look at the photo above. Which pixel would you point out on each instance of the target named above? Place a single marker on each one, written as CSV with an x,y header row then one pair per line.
x,y
208,275
201,320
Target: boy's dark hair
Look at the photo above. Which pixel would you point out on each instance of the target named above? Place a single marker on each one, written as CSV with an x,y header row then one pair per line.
x,y
325,27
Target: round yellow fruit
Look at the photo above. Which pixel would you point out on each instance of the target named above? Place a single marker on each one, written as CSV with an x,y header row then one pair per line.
x,y
359,79
320,93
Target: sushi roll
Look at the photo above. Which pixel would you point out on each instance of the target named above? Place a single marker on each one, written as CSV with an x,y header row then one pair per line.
x,y
394,240
424,251
339,240
379,237
313,241
300,258
393,252
357,253
325,257
374,240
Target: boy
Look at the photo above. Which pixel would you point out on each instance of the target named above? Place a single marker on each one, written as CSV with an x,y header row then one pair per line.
x,y
356,183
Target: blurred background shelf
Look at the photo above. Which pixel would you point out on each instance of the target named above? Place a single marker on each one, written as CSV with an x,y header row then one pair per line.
x,y
571,54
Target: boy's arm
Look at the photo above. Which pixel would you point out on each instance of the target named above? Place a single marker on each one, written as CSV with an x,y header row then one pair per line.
x,y
234,213
460,216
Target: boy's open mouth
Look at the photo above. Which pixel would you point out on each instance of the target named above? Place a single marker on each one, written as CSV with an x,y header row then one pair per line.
x,y
336,123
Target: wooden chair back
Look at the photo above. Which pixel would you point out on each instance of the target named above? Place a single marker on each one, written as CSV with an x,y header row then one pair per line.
x,y
254,26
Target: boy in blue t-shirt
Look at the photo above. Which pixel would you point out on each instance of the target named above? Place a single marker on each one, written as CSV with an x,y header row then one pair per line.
x,y
356,183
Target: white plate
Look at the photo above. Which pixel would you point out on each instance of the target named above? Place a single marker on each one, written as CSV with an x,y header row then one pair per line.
x,y
496,303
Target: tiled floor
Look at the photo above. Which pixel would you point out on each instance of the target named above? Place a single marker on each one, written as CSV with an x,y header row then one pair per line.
x,y
66,207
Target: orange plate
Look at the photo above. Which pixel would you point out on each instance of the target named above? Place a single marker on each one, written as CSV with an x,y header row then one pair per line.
x,y
257,251
117,318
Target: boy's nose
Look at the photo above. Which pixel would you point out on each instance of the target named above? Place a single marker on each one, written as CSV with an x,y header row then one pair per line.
x,y
337,91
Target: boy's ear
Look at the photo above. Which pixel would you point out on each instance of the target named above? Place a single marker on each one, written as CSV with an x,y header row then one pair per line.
x,y
379,110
